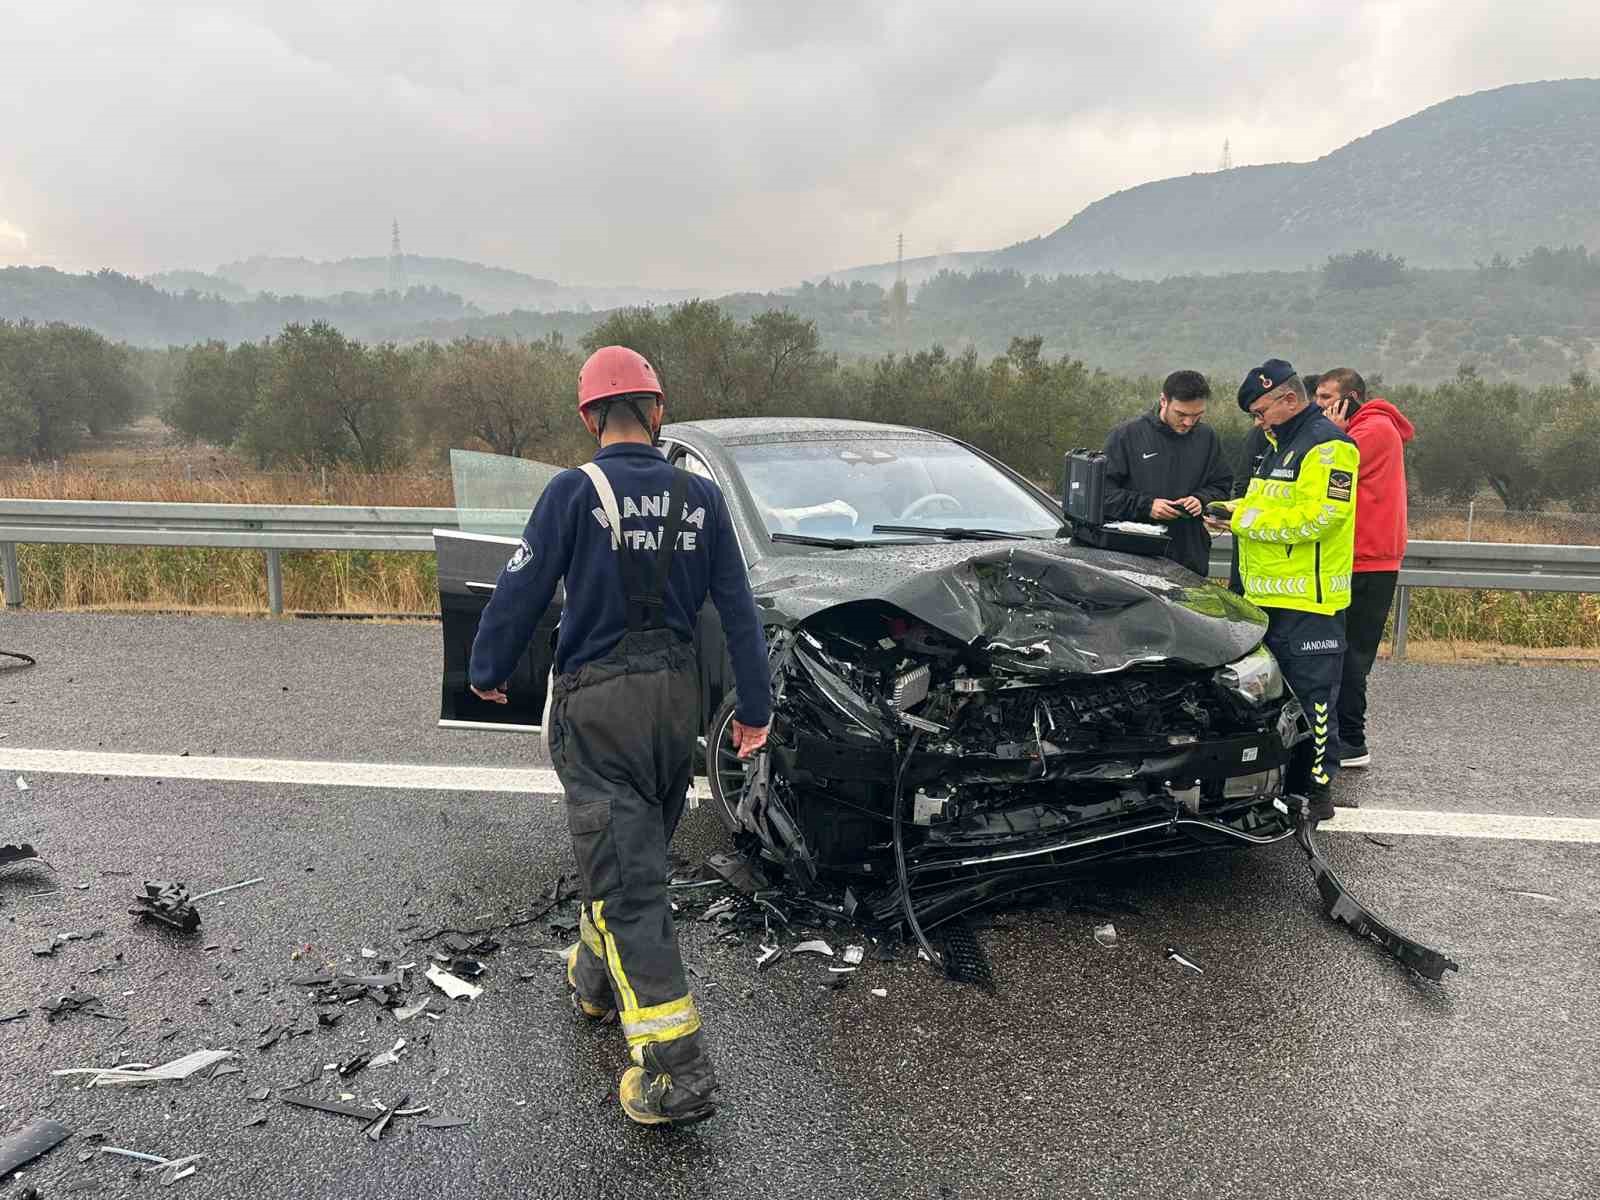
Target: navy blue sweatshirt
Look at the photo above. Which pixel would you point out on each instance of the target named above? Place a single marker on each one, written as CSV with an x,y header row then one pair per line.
x,y
566,539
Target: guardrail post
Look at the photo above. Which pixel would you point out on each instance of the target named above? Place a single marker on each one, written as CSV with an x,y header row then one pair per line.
x,y
1402,611
10,575
275,582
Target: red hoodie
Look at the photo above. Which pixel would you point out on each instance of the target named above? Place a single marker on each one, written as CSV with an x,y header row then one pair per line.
x,y
1380,431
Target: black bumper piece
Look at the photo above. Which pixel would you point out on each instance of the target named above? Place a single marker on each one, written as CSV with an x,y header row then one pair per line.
x,y
1344,908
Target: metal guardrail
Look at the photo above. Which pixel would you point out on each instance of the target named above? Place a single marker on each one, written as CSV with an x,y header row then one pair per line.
x,y
1495,566
271,528
274,528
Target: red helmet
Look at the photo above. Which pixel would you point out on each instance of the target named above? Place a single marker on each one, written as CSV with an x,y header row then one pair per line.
x,y
615,371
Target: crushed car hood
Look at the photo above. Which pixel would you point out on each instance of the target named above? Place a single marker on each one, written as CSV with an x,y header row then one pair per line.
x,y
1038,608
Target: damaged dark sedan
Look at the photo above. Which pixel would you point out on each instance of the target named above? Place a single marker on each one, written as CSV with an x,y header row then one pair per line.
x,y
969,707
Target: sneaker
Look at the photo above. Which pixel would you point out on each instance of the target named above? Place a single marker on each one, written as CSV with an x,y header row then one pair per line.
x,y
1355,755
603,1013
672,1085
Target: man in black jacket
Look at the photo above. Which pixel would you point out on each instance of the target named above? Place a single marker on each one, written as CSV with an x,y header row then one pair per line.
x,y
1166,466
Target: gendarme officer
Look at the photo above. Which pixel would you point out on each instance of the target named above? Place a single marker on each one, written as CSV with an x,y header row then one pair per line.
x,y
1295,529
639,544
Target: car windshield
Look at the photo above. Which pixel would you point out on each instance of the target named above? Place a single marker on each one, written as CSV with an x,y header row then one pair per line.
x,y
843,488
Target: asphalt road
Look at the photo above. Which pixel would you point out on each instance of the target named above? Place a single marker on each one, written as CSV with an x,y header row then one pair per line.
x,y
1301,1063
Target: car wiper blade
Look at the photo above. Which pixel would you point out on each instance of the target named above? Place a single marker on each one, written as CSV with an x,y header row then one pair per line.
x,y
956,534
827,543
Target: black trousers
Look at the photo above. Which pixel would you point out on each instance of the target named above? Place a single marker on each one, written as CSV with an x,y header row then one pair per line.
x,y
1371,595
1309,648
622,740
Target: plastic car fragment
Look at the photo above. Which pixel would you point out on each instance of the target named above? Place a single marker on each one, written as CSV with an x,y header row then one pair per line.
x,y
818,946
1173,956
34,1139
374,1131
76,1002
168,903
456,989
1344,908
138,1075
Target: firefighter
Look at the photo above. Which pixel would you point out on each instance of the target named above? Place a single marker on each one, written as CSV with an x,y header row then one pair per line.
x,y
1296,535
640,544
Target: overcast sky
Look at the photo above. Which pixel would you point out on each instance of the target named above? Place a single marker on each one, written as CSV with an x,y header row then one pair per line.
x,y
706,144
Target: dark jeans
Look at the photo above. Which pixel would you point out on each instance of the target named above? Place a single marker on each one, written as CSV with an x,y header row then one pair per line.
x,y
1371,594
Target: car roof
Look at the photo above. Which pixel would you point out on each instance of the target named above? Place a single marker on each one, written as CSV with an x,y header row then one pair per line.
x,y
741,431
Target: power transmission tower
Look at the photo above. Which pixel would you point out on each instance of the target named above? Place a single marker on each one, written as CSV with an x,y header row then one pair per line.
x,y
898,300
1227,156
397,261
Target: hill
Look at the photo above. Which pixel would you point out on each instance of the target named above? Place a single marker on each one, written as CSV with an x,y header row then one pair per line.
x,y
1489,173
492,289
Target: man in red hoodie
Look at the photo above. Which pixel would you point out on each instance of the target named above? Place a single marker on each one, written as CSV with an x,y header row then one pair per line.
x,y
1380,432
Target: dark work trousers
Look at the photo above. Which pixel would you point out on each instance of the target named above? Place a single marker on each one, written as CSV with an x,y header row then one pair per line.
x,y
1371,594
1310,649
622,740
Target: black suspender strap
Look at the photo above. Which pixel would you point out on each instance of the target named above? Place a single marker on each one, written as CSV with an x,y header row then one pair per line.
x,y
647,595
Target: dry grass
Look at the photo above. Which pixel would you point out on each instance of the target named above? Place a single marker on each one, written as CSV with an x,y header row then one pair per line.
x,y
143,465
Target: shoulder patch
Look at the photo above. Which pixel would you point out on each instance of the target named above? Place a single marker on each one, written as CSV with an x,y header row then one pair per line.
x,y
520,557
1339,484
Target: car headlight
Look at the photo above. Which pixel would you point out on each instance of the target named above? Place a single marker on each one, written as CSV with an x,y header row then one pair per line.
x,y
1255,677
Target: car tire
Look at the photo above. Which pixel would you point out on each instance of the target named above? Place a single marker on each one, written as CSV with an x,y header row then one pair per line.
x,y
724,770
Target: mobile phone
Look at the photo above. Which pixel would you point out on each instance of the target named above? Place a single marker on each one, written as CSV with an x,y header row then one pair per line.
x,y
1221,509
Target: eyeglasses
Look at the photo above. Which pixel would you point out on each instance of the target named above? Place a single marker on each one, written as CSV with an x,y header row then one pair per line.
x,y
1260,414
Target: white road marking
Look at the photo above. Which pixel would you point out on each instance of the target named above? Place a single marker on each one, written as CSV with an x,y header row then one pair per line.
x,y
543,781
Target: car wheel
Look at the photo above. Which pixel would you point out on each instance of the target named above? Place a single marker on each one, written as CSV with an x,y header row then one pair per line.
x,y
725,770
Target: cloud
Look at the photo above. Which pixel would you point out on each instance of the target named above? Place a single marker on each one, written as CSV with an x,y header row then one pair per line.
x,y
713,143
11,236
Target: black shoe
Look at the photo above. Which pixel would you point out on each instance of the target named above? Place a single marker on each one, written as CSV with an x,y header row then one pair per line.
x,y
1355,754
672,1085
1318,801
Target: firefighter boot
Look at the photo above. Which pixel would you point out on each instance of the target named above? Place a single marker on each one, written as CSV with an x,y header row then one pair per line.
x,y
672,1084
594,1010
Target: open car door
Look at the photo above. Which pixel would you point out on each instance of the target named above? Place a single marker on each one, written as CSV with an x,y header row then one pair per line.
x,y
494,496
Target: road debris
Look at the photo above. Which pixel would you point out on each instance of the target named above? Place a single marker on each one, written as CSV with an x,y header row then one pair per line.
x,y
1174,956
1530,895
20,1015
817,946
1378,841
139,1074
327,1106
232,887
1345,909
444,1123
455,988
61,939
389,1057
175,1169
411,1010
881,993
76,1002
258,1119
168,903
22,785
136,1154
354,1065
854,954
33,1140
375,1130
1106,934
769,955
260,1094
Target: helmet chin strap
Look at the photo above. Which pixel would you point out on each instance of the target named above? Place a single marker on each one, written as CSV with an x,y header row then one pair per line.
x,y
638,415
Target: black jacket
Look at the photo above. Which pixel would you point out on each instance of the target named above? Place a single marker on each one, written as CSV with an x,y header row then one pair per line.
x,y
1146,460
